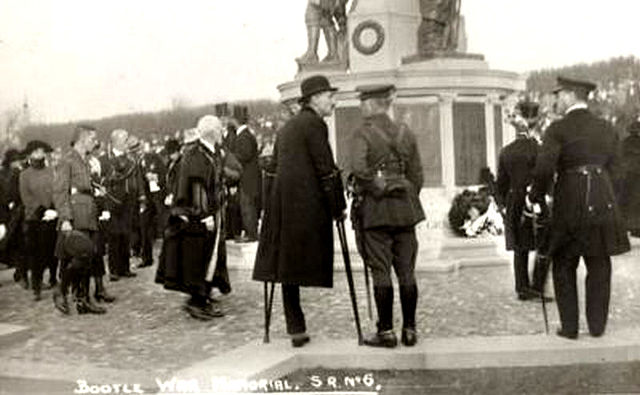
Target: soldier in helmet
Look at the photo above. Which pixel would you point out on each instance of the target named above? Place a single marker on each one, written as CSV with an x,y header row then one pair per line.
x,y
388,177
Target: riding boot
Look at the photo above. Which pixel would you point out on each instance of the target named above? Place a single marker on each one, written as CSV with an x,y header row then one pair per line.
x,y
384,337
408,301
84,304
101,293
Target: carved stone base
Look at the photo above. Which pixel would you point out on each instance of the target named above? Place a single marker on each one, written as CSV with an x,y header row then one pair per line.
x,y
441,54
336,65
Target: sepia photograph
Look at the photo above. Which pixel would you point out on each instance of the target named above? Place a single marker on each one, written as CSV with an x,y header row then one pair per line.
x,y
342,197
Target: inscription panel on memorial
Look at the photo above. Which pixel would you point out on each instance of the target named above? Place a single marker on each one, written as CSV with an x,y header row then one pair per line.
x,y
470,142
424,120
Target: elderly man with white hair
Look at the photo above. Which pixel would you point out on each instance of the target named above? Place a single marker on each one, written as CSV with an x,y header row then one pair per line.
x,y
193,258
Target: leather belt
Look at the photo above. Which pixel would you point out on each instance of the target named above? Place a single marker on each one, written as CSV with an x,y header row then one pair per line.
x,y
588,171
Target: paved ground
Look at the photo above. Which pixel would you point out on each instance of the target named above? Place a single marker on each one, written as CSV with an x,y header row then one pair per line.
x,y
147,332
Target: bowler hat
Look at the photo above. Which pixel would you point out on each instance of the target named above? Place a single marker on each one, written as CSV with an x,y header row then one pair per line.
x,y
315,84
379,91
574,85
34,145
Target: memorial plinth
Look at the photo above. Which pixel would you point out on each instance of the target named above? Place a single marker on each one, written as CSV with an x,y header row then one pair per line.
x,y
452,100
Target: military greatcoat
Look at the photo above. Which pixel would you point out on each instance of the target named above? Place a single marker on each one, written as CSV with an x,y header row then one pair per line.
x,y
584,151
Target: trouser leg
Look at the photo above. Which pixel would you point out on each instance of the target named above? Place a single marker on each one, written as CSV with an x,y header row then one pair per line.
x,y
540,272
249,215
565,287
293,313
521,270
598,291
384,304
34,238
378,246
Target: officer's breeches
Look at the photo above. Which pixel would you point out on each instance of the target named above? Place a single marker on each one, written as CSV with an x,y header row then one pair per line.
x,y
391,247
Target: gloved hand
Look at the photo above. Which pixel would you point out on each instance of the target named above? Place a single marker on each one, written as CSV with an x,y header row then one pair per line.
x,y
210,223
168,201
3,231
105,216
66,226
50,215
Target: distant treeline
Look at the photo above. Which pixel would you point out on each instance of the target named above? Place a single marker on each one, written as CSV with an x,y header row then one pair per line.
x,y
143,125
613,71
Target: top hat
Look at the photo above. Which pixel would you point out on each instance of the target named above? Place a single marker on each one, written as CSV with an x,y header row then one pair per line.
x,y
11,155
569,84
377,91
241,113
313,85
34,145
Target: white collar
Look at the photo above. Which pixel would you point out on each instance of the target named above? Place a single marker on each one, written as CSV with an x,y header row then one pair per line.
x,y
242,128
208,145
117,152
578,106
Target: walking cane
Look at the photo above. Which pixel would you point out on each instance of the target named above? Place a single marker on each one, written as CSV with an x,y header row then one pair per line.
x,y
347,266
268,307
536,234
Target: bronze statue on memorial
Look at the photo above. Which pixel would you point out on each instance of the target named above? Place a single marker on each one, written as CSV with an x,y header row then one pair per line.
x,y
440,25
329,16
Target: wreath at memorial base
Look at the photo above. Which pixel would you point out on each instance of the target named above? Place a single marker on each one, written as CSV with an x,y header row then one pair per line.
x,y
474,213
357,37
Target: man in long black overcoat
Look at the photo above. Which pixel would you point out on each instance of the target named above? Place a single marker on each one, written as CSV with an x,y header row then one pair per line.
x,y
516,163
296,241
630,199
584,152
247,154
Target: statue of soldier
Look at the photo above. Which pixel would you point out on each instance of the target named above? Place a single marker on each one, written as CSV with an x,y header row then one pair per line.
x,y
439,28
325,15
387,172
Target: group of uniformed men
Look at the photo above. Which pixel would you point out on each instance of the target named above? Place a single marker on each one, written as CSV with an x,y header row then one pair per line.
x,y
95,200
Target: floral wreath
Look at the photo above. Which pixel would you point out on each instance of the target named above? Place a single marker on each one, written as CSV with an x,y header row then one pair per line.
x,y
368,49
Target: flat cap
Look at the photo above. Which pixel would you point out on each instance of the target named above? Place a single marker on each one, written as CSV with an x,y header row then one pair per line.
x,y
570,84
380,91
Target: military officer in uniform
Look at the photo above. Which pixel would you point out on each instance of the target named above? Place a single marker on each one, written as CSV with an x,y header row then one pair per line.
x,y
515,173
73,198
386,167
583,151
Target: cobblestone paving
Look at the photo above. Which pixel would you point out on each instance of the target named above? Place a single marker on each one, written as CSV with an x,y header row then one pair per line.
x,y
147,330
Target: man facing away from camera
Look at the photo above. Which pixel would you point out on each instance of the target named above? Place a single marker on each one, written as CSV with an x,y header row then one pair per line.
x,y
387,171
583,150
296,240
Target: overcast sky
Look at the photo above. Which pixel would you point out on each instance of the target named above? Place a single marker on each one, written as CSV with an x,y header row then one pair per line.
x,y
77,59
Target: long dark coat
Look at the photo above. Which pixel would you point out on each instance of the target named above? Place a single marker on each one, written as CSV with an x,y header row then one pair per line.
x,y
586,219
516,163
296,241
370,148
246,151
630,199
188,247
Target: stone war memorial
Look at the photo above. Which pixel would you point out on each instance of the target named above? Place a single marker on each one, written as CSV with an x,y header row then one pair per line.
x,y
450,98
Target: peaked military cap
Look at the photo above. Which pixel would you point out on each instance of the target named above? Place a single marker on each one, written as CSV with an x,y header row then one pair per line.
x,y
574,85
380,91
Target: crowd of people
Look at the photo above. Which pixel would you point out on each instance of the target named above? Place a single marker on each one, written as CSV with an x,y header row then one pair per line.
x,y
64,212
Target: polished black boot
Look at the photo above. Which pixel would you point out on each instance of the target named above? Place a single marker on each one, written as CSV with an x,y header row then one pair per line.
x,y
384,337
408,301
84,305
101,294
